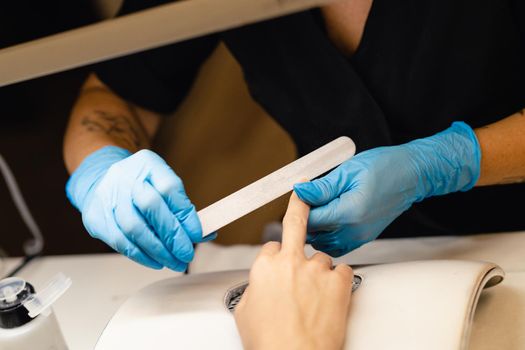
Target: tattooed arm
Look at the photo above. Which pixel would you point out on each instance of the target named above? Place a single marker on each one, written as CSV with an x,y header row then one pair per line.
x,y
101,118
503,151
133,202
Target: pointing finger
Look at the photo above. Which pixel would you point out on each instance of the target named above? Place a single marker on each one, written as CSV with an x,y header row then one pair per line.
x,y
294,226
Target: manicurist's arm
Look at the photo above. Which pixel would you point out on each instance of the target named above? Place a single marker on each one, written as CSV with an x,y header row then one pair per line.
x,y
502,151
101,118
355,202
128,196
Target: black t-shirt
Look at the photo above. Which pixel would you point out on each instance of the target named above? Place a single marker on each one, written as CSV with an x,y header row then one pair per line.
x,y
420,66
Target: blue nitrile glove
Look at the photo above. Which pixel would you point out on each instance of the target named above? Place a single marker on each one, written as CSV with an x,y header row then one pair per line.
x,y
355,202
137,205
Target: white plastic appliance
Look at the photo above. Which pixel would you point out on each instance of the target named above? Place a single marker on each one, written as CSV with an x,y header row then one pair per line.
x,y
410,306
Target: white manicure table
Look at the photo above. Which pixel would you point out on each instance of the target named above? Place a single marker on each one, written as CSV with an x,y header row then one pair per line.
x,y
101,282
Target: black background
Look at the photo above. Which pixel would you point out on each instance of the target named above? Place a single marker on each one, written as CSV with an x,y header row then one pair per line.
x,y
34,115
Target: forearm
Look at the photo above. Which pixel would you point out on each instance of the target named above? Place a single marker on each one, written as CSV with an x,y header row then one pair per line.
x,y
100,118
502,151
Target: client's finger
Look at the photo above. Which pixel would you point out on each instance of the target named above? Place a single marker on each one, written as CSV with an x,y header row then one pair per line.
x,y
345,271
294,226
270,248
323,259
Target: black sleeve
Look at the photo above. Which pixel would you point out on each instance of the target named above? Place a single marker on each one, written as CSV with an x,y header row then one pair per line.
x,y
295,73
518,7
156,79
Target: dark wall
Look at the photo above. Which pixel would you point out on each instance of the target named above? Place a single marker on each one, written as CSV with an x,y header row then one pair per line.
x,y
33,116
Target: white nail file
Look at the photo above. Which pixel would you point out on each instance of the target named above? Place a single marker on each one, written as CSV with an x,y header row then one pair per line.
x,y
274,185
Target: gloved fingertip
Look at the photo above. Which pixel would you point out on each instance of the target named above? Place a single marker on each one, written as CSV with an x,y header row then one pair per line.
x,y
178,266
336,253
329,249
152,264
157,267
209,237
318,246
307,192
193,227
134,253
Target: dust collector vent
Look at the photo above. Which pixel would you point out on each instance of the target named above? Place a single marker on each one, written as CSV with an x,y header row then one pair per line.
x,y
234,295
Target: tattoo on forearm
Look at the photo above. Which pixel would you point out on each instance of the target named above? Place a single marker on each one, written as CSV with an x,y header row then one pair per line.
x,y
114,125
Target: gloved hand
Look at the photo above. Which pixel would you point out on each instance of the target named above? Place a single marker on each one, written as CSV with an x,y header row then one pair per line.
x,y
356,201
137,205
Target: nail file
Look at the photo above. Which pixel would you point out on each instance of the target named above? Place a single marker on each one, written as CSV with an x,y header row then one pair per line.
x,y
274,185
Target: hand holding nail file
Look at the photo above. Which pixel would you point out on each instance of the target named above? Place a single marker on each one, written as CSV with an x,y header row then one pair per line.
x,y
137,205
274,185
355,202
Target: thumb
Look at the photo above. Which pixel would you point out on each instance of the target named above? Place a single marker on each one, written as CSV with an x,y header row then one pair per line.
x,y
323,190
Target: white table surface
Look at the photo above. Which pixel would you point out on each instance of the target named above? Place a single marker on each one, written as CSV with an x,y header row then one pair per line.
x,y
102,282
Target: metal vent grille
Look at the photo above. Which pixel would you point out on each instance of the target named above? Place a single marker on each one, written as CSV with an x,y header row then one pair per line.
x,y
234,295
356,282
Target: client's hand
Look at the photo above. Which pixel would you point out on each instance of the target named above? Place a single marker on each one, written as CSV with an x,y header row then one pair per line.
x,y
293,302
